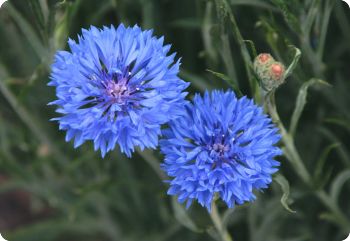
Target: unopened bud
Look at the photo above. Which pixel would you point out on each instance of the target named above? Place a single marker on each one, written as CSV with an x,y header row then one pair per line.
x,y
277,71
269,71
263,59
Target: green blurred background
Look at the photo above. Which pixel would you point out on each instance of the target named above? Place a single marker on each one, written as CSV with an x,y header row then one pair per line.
x,y
50,191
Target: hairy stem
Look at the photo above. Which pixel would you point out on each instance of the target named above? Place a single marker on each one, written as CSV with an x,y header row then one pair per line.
x,y
293,156
215,217
290,149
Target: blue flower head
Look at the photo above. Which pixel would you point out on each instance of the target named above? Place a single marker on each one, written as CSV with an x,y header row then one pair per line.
x,y
117,86
222,147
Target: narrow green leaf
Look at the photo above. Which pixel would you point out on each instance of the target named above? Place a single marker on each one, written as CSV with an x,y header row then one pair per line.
x,y
64,23
322,160
338,184
207,35
301,102
252,47
322,176
226,53
324,27
30,121
182,217
342,152
254,3
283,182
228,80
340,122
196,81
225,13
312,12
329,217
289,17
226,217
273,35
28,31
37,12
232,216
343,23
294,63
269,223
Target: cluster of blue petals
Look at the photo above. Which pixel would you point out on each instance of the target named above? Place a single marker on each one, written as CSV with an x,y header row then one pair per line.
x,y
117,86
222,147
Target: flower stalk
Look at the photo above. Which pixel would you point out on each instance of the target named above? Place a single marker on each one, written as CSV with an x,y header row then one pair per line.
x,y
290,149
293,156
221,229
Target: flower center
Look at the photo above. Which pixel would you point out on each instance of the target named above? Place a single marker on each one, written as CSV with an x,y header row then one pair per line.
x,y
221,148
117,90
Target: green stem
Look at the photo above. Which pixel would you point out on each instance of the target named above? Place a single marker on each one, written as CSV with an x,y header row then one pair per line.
x,y
293,156
324,28
290,151
215,217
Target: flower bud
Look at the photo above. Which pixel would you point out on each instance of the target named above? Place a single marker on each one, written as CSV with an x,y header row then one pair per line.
x,y
262,64
263,59
269,71
277,71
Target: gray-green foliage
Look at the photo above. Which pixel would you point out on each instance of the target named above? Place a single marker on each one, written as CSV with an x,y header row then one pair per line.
x,y
77,195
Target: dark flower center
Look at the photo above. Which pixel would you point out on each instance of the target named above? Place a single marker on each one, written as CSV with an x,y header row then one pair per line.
x,y
219,144
117,90
221,148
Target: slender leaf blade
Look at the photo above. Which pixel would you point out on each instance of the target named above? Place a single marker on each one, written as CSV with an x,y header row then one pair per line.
x,y
228,80
301,102
338,184
182,216
283,182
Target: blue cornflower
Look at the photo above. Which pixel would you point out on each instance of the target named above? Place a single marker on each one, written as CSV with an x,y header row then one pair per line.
x,y
117,86
222,147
